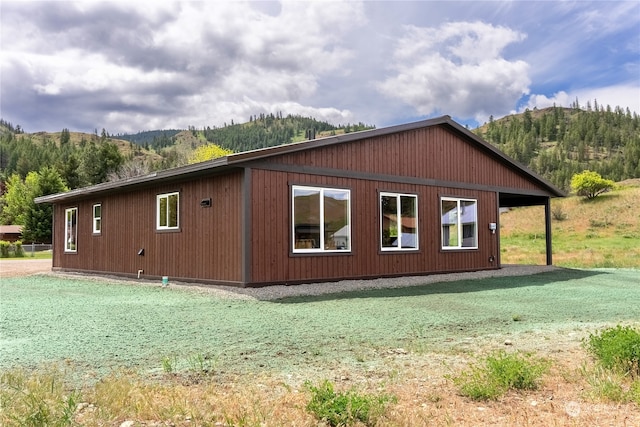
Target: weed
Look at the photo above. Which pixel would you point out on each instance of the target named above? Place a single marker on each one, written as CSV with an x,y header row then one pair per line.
x,y
596,223
606,385
169,364
558,213
200,364
617,349
500,372
345,409
36,400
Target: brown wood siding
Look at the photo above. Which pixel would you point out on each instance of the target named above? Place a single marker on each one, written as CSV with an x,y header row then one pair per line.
x,y
273,262
429,153
207,247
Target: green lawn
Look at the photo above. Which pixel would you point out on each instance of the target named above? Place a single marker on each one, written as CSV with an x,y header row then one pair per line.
x,y
96,326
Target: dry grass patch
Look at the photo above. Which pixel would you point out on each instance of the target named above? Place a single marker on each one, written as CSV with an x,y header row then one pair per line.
x,y
423,395
602,232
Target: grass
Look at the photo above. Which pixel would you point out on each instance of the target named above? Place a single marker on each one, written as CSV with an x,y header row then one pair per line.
x,y
176,356
496,374
36,400
598,233
345,408
617,349
30,255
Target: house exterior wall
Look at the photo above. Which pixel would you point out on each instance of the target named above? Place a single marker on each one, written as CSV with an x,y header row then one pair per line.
x,y
435,153
273,260
429,162
208,246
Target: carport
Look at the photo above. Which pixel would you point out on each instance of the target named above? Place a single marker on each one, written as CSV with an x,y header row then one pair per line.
x,y
512,200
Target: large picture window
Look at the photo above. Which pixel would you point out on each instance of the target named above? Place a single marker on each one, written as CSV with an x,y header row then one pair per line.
x,y
321,219
71,230
459,223
97,218
168,211
398,221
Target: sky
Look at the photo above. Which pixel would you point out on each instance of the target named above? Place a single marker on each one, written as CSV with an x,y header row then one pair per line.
x,y
131,66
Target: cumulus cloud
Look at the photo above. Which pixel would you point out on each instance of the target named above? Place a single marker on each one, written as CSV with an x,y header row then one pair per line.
x,y
457,69
139,65
624,95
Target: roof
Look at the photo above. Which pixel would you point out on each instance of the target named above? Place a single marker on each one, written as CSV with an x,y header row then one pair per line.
x,y
10,229
239,160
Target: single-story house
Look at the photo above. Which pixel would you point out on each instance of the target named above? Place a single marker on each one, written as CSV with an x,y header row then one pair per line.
x,y
10,233
412,199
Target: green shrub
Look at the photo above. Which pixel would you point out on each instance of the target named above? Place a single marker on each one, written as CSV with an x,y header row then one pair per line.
x,y
345,409
4,249
498,373
617,349
19,250
590,184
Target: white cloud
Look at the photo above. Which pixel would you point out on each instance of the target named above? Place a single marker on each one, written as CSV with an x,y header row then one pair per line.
x,y
193,63
457,69
625,96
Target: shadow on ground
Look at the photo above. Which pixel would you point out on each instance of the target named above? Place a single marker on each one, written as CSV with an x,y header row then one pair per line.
x,y
462,286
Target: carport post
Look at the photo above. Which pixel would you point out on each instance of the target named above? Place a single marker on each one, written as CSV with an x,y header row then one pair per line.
x,y
547,233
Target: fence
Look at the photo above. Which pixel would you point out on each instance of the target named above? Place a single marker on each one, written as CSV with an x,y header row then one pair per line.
x,y
30,248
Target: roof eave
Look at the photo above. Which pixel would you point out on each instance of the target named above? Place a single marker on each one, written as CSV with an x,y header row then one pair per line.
x,y
134,182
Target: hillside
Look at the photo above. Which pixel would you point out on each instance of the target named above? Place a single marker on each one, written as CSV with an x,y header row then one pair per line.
x,y
555,142
603,232
560,142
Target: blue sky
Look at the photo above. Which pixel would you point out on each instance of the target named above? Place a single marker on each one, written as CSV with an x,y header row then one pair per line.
x,y
143,65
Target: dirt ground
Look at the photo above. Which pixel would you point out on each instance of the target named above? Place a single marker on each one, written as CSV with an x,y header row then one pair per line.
x,y
24,267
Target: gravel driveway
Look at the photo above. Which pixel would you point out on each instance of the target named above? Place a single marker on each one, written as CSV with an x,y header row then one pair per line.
x,y
23,267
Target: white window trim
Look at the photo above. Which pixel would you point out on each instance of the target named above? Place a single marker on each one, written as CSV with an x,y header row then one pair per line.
x,y
398,197
97,218
321,249
460,226
67,238
166,196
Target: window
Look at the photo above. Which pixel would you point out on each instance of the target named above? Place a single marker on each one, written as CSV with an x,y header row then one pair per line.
x,y
398,221
97,218
168,218
459,223
71,229
321,220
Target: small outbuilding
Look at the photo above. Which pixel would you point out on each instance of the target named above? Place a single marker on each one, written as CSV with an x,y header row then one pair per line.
x,y
413,199
10,233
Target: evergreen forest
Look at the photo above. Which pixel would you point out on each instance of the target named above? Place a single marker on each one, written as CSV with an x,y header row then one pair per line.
x,y
555,142
559,142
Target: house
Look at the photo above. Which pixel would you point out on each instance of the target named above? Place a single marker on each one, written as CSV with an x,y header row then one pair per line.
x,y
413,199
10,233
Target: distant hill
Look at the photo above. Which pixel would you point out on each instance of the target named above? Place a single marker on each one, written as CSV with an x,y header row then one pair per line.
x,y
558,142
555,142
160,138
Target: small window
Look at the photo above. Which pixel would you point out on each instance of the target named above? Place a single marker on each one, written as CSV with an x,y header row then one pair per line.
x,y
168,207
459,223
398,222
71,230
97,218
321,220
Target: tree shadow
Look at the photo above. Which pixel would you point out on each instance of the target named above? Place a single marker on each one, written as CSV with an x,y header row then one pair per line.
x,y
601,198
457,287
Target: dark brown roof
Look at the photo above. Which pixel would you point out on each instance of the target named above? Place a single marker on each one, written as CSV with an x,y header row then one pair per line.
x,y
239,160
